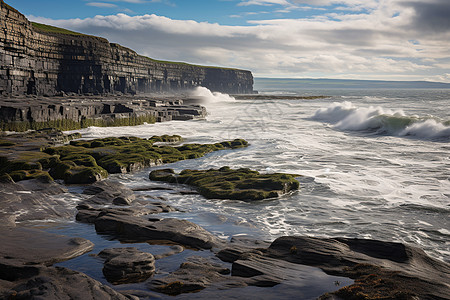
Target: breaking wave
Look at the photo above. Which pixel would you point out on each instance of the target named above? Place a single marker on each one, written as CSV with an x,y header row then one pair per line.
x,y
204,94
345,116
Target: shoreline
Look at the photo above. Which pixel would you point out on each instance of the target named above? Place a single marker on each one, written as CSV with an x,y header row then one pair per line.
x,y
71,112
252,261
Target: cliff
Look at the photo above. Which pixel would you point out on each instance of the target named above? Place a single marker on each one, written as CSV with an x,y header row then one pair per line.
x,y
44,60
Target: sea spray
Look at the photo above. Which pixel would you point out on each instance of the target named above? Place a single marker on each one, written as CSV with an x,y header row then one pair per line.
x,y
204,94
346,116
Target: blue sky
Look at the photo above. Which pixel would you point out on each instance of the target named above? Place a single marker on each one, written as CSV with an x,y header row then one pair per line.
x,y
355,39
226,12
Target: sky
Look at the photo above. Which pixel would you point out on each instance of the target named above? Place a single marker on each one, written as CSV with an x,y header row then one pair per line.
x,y
343,39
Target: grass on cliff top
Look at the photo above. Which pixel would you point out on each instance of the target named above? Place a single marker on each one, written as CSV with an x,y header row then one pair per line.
x,y
188,64
53,29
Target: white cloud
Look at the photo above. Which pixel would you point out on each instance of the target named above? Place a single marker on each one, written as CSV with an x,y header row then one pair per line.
x,y
101,4
263,2
374,44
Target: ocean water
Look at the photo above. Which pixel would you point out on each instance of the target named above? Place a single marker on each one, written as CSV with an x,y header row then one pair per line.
x,y
372,164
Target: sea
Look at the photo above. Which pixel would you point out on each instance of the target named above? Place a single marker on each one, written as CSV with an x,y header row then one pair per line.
x,y
373,163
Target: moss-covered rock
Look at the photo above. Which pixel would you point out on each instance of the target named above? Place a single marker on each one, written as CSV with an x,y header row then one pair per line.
x,y
128,154
84,175
30,174
83,162
225,183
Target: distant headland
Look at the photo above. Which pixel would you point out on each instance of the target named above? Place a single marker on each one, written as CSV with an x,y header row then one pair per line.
x,y
38,59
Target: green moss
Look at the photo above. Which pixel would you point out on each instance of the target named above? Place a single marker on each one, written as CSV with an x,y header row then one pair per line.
x,y
61,168
84,175
30,174
226,183
83,162
67,124
5,178
127,154
21,165
166,138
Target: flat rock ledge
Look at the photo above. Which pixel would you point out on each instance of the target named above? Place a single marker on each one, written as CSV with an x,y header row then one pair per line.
x,y
381,270
32,200
142,229
25,257
127,265
57,283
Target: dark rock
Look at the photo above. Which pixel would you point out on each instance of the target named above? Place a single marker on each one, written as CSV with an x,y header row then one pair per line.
x,y
225,183
140,294
380,269
57,283
192,276
140,229
31,246
241,247
175,249
109,192
127,265
88,214
31,200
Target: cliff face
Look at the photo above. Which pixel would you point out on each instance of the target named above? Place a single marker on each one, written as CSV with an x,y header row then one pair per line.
x,y
37,61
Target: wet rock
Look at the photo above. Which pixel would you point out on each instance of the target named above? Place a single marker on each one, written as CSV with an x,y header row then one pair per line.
x,y
57,283
88,214
127,265
174,249
267,272
143,229
380,269
31,200
241,247
25,246
109,192
192,276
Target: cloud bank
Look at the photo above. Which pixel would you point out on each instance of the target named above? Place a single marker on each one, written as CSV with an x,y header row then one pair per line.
x,y
385,39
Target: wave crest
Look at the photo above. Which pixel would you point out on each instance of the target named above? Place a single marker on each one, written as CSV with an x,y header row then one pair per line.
x,y
204,94
346,116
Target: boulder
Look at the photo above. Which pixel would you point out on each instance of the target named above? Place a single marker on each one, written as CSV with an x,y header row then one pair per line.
x,y
127,265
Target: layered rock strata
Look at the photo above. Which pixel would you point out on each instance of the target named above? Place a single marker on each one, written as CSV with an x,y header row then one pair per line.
x,y
68,113
43,60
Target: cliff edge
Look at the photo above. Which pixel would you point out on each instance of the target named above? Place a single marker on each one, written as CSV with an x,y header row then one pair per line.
x,y
45,60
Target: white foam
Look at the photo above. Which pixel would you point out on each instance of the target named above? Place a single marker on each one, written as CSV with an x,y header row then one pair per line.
x,y
427,129
205,94
346,116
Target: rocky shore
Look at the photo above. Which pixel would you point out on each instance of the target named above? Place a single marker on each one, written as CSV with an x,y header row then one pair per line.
x,y
298,267
69,112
